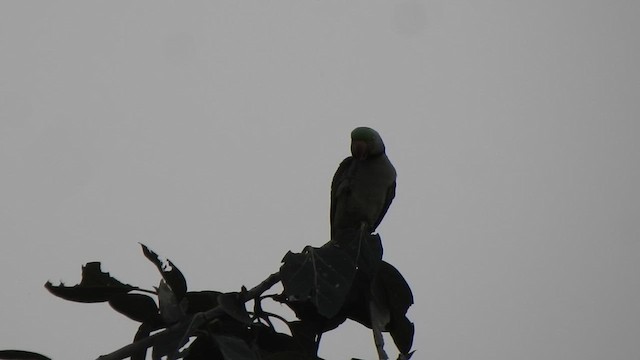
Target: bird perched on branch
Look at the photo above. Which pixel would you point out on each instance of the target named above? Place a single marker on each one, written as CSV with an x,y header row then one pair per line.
x,y
363,186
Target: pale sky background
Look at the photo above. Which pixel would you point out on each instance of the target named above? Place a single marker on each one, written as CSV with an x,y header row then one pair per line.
x,y
210,131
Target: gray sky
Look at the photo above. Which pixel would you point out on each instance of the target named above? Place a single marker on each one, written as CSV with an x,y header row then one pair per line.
x,y
210,131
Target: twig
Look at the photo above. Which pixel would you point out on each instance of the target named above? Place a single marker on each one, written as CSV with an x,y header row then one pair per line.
x,y
129,350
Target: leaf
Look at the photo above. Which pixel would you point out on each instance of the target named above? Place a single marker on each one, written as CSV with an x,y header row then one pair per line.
x,y
95,286
392,293
232,305
171,310
199,301
137,307
21,355
396,287
356,305
402,331
366,251
170,273
297,276
233,348
322,275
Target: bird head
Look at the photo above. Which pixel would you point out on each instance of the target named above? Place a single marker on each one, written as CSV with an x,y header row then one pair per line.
x,y
366,142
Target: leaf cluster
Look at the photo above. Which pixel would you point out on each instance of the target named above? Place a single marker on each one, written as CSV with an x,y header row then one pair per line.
x,y
324,287
348,280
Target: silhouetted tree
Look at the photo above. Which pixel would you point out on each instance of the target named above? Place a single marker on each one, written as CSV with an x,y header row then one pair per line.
x,y
324,287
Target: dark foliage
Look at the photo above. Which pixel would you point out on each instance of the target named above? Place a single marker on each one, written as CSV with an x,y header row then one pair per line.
x,y
137,307
170,273
95,286
322,276
21,355
324,286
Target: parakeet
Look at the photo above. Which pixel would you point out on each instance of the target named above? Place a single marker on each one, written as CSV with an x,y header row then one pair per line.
x,y
363,186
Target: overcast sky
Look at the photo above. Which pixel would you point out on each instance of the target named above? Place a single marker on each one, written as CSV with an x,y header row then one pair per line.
x,y
210,132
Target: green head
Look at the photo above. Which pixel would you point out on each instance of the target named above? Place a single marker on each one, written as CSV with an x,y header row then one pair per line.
x,y
366,142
